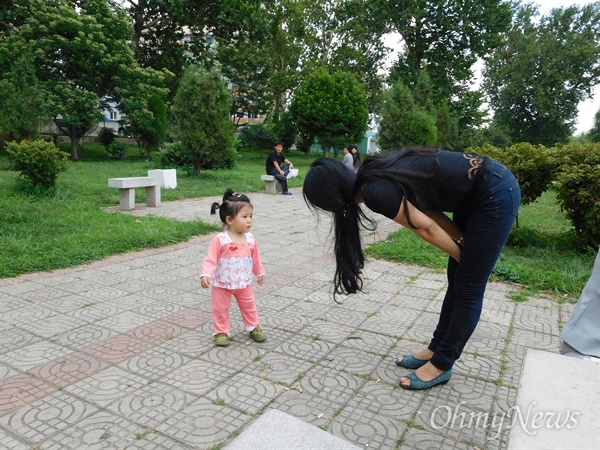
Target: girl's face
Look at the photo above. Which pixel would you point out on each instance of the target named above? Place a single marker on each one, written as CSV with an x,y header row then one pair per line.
x,y
241,223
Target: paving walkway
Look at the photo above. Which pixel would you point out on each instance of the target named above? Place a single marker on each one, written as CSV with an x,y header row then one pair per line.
x,y
118,354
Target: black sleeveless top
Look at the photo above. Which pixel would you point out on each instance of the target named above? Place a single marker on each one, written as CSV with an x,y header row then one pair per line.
x,y
453,187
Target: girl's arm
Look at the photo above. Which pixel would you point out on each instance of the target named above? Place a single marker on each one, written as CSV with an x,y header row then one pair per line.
x,y
446,223
429,230
212,259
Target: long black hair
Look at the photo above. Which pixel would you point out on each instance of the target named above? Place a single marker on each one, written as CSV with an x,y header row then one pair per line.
x,y
330,186
231,205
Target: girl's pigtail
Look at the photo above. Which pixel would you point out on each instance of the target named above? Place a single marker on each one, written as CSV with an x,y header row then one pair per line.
x,y
214,207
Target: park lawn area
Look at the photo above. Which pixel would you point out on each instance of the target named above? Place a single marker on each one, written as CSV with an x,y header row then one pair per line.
x,y
67,227
540,254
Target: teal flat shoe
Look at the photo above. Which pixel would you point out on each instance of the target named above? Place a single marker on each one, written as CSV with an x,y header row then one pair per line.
x,y
416,384
410,362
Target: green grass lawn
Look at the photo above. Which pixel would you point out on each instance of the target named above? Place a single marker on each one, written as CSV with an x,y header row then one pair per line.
x,y
68,226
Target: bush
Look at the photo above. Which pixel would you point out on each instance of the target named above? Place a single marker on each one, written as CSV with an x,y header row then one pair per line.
x,y
174,154
39,161
106,136
578,190
533,165
116,151
257,137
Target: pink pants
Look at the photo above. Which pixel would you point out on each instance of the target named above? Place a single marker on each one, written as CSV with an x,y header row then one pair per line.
x,y
220,301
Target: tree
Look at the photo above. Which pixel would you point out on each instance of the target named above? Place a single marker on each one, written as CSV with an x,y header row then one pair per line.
x,y
201,107
332,108
22,108
446,38
404,122
595,131
82,58
536,80
149,130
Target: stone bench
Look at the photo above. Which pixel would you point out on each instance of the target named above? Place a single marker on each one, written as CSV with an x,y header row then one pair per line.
x,y
272,186
127,186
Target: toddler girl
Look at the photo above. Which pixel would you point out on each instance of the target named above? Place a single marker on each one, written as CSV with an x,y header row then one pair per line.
x,y
231,260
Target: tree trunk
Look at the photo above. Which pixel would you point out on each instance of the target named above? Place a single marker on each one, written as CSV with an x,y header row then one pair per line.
x,y
74,136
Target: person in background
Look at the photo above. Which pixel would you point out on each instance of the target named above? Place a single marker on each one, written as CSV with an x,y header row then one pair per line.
x,y
229,266
581,334
356,157
415,187
275,167
348,159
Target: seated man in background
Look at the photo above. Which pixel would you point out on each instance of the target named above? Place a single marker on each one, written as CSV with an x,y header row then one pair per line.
x,y
274,167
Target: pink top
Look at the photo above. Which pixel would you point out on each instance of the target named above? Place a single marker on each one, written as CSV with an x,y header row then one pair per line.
x,y
231,264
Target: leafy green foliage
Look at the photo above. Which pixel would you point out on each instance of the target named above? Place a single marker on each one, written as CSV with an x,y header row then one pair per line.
x,y
150,129
116,151
22,108
595,131
533,165
332,108
202,106
404,122
578,190
536,80
106,136
39,161
257,137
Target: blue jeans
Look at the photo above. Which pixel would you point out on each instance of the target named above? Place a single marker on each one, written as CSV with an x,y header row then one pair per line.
x,y
486,228
281,178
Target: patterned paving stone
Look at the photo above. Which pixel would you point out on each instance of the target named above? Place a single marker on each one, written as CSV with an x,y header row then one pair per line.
x,y
237,356
367,429
277,367
388,372
33,355
12,338
24,317
478,366
197,376
273,302
103,293
422,328
42,295
190,318
47,416
533,339
416,439
245,392
118,348
124,322
204,424
56,325
21,390
160,292
334,385
8,442
107,386
99,431
68,369
350,360
370,342
156,332
387,400
8,303
491,348
393,322
306,348
328,331
84,336
190,343
154,363
360,304
128,302
155,441
151,405
311,309
6,372
95,312
284,320
316,411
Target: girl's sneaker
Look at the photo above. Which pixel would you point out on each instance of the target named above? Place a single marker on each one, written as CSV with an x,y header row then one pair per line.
x,y
258,334
221,340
